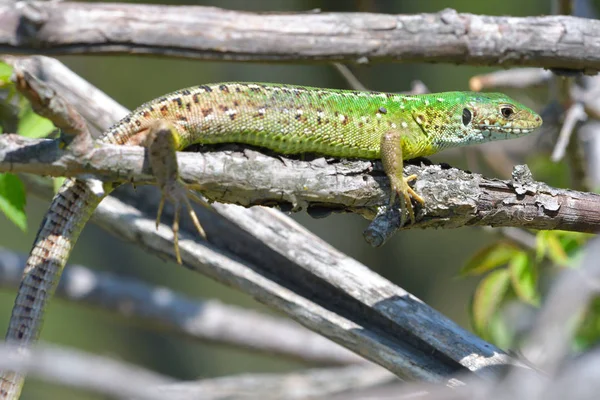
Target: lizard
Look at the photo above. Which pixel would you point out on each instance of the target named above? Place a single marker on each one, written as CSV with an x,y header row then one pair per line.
x,y
285,119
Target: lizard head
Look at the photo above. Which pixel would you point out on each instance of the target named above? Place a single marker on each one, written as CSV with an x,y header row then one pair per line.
x,y
485,117
496,116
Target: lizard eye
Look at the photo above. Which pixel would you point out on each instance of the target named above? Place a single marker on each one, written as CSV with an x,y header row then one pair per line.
x,y
466,116
507,112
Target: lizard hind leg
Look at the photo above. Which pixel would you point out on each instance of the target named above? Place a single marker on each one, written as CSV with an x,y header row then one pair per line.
x,y
391,157
162,140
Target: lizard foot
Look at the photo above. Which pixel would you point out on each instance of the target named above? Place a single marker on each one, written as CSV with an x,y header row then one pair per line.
x,y
403,189
176,192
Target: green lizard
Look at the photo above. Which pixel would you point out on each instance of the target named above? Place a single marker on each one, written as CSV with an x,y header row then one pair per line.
x,y
284,119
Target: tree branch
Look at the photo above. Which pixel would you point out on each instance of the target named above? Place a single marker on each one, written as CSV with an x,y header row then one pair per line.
x,y
210,33
307,384
453,198
303,277
119,380
161,308
75,368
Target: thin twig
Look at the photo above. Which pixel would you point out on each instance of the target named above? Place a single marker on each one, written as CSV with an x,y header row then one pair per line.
x,y
519,78
349,76
47,103
574,114
100,110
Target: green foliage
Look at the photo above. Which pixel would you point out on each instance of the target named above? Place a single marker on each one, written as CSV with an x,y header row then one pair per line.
x,y
12,191
488,258
5,73
12,200
545,170
32,125
589,328
524,276
511,274
486,300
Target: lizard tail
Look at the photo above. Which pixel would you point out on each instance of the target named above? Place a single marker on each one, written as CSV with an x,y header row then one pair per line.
x,y
71,208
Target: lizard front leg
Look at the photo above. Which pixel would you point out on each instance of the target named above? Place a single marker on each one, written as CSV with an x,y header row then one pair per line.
x,y
162,142
391,157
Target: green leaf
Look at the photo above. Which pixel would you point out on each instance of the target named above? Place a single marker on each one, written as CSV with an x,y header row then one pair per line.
x,y
12,200
523,275
572,242
33,126
487,298
488,258
57,183
588,331
5,73
541,245
556,253
500,332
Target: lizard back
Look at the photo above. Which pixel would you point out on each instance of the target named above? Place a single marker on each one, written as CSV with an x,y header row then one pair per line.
x,y
340,123
284,118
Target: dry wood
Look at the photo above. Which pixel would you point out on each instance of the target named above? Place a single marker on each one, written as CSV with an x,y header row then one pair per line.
x,y
453,198
209,33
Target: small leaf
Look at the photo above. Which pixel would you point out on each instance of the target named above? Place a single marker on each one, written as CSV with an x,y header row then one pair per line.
x,y
500,332
12,200
488,258
572,241
32,125
487,298
523,275
5,73
541,245
588,331
556,253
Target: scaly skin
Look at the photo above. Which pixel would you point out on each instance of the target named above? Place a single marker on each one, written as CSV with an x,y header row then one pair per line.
x,y
285,119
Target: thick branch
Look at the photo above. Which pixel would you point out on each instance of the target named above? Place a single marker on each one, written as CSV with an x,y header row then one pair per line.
x,y
317,286
215,34
453,198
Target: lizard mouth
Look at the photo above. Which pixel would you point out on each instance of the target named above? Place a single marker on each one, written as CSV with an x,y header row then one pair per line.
x,y
516,125
500,129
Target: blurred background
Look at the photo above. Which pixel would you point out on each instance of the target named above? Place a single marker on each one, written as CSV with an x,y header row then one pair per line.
x,y
425,263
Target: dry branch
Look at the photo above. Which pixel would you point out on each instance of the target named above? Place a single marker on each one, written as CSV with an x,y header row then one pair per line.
x,y
77,369
279,263
303,385
161,308
209,33
119,380
453,197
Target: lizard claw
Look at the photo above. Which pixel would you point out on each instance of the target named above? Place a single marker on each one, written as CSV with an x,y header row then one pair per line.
x,y
177,193
405,193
